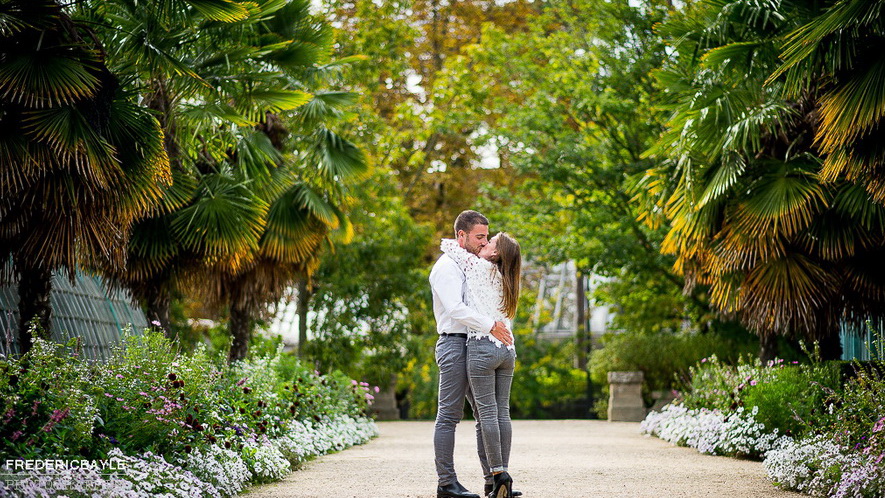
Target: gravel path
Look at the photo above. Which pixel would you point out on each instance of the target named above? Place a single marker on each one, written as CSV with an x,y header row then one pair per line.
x,y
551,459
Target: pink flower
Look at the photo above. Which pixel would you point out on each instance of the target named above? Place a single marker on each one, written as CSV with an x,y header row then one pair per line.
x,y
59,415
752,382
56,417
377,389
119,376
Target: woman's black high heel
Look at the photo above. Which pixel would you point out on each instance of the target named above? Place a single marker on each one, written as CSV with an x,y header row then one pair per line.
x,y
502,487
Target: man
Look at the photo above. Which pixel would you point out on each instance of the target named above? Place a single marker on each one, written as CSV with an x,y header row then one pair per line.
x,y
453,319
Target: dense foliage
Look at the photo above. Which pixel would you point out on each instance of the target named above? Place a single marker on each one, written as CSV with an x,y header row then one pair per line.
x,y
818,426
664,359
157,406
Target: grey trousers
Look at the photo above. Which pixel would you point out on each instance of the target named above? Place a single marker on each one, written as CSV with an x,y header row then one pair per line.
x,y
490,373
451,357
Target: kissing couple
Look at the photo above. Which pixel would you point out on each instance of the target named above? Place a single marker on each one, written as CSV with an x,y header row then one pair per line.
x,y
475,286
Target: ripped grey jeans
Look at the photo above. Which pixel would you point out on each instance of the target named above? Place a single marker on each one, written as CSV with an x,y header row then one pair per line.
x,y
490,373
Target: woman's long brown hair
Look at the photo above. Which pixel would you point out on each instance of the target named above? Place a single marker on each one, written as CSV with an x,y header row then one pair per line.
x,y
510,265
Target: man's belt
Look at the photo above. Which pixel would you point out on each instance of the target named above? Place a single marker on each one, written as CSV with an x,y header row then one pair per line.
x,y
462,336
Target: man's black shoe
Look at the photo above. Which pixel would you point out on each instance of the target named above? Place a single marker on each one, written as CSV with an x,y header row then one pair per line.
x,y
488,489
454,490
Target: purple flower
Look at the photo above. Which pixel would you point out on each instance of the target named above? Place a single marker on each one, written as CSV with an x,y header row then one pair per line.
x,y
155,323
119,376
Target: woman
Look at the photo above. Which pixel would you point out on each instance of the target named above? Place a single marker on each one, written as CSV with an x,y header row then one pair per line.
x,y
492,290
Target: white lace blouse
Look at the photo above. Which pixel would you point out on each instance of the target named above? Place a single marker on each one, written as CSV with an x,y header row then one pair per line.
x,y
485,287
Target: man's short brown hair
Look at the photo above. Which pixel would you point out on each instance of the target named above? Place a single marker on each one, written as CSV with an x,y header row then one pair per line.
x,y
468,219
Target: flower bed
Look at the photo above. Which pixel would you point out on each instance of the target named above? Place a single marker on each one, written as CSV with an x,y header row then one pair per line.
x,y
172,424
837,445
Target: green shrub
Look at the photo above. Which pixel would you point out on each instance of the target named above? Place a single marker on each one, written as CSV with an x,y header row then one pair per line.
x,y
150,396
45,403
790,397
715,384
855,415
665,359
546,383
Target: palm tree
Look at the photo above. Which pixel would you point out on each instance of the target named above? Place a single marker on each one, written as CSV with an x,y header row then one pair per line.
x,y
187,58
307,197
836,53
79,161
226,90
750,218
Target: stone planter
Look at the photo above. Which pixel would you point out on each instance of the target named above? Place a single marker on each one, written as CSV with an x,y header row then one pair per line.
x,y
625,399
384,406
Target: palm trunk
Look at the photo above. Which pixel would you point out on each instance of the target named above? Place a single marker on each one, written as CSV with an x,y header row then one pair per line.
x,y
831,347
240,331
768,348
34,308
158,305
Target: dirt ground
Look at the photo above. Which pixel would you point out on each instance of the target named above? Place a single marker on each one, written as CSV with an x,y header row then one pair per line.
x,y
553,458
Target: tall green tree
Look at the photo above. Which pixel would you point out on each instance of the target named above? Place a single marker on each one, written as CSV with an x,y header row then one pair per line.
x,y
80,162
370,298
406,125
567,102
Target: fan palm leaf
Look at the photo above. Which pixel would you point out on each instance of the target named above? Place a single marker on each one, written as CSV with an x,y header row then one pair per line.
x,y
81,163
837,52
